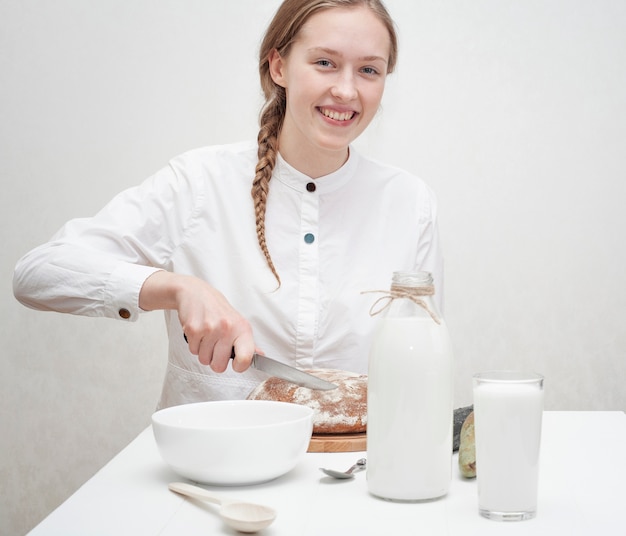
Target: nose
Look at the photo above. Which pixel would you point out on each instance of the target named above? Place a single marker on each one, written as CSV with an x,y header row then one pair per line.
x,y
345,87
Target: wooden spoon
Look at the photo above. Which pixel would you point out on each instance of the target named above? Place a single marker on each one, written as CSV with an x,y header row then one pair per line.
x,y
241,516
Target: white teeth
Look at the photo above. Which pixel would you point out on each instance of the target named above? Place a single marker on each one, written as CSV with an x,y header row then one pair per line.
x,y
337,116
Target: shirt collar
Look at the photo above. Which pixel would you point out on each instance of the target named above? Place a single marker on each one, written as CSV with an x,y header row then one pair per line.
x,y
291,177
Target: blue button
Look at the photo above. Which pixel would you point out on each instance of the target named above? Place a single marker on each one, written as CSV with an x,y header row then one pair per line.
x,y
309,238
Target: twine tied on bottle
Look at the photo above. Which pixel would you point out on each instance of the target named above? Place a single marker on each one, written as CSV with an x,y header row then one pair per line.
x,y
401,292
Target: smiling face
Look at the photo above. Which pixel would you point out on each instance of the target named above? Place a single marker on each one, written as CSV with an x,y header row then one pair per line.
x,y
334,77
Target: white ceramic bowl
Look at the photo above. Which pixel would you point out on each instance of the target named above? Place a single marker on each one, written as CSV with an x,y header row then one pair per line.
x,y
234,442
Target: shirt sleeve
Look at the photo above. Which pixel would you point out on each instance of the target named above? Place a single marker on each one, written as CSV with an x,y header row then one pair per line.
x,y
97,266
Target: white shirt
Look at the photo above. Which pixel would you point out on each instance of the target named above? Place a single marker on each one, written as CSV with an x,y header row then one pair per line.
x,y
196,216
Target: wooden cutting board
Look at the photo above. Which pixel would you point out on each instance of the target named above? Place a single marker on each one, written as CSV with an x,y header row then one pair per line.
x,y
338,442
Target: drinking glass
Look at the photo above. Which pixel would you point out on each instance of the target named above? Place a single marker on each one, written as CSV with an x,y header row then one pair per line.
x,y
508,408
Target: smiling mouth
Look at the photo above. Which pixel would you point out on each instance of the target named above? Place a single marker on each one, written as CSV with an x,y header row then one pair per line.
x,y
337,116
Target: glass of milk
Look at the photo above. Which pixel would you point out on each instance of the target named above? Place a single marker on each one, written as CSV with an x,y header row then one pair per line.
x,y
508,406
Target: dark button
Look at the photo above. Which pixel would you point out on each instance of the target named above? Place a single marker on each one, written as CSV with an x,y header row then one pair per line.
x,y
124,313
309,238
310,187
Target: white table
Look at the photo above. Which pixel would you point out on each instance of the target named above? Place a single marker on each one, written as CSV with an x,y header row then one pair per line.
x,y
582,491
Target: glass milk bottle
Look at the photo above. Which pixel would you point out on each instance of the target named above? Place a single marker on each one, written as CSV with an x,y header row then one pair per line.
x,y
410,400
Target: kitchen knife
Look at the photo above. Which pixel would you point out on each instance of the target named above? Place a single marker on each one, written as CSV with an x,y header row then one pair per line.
x,y
285,372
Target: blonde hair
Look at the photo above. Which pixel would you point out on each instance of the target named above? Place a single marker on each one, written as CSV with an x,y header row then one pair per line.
x,y
280,35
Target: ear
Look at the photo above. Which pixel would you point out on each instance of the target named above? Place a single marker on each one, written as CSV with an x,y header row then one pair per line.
x,y
277,67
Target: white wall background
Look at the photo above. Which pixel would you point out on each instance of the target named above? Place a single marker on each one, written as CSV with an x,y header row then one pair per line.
x,y
514,111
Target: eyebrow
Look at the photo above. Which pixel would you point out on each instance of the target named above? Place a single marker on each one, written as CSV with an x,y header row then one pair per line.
x,y
333,52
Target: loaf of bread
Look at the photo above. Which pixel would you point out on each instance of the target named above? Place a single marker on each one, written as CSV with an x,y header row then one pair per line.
x,y
337,411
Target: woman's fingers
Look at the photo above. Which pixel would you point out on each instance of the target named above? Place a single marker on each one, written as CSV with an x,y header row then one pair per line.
x,y
244,351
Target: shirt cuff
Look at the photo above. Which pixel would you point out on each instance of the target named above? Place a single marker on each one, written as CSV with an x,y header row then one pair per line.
x,y
121,293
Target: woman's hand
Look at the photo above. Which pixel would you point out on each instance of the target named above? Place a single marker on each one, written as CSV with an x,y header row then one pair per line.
x,y
211,325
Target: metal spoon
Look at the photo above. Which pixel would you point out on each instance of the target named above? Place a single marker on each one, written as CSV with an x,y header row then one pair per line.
x,y
358,466
241,516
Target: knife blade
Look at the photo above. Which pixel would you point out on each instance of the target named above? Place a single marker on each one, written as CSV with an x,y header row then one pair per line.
x,y
291,374
285,372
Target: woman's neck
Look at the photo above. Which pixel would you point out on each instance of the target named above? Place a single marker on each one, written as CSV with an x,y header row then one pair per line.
x,y
313,164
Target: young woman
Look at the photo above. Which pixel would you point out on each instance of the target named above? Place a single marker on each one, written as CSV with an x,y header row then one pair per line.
x,y
265,245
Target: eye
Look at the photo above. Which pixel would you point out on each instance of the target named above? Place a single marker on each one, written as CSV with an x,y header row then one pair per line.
x,y
324,63
370,71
